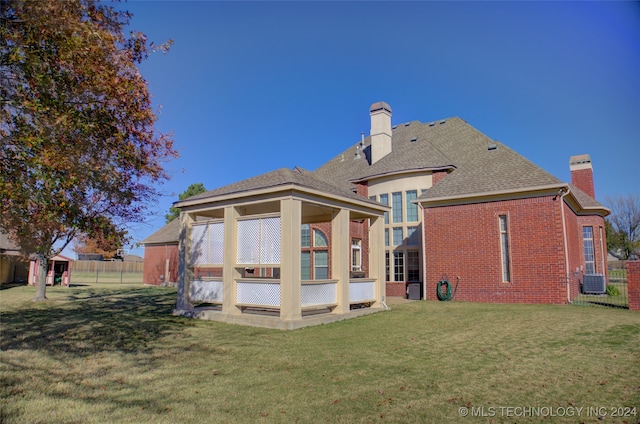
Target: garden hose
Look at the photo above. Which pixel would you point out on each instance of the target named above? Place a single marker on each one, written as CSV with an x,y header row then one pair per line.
x,y
447,295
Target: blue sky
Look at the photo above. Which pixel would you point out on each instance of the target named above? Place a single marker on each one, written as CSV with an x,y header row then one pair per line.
x,y
249,87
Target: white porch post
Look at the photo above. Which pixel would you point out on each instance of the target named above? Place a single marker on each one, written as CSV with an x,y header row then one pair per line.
x,y
290,259
229,270
376,259
341,258
185,273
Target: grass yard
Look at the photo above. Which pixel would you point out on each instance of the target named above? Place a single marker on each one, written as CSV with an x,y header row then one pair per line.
x,y
114,354
105,278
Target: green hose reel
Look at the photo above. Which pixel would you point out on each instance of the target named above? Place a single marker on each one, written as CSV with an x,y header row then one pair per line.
x,y
443,290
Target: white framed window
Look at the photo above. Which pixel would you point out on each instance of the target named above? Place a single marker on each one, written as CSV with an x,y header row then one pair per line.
x,y
504,248
356,255
319,239
305,235
398,266
412,208
396,206
589,257
321,265
397,236
384,199
306,266
413,236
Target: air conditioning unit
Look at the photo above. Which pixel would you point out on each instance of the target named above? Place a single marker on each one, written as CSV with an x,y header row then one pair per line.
x,y
594,284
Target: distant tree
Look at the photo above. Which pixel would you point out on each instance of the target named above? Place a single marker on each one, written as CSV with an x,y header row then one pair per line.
x,y
192,190
623,226
105,246
80,154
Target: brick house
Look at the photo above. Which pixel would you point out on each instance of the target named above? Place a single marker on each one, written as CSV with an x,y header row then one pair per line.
x,y
469,210
456,206
161,255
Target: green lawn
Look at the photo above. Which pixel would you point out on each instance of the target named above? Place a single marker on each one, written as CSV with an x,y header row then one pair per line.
x,y
114,354
105,278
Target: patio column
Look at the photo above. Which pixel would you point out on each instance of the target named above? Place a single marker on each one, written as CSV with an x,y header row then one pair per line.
x,y
229,270
290,259
341,258
376,258
185,272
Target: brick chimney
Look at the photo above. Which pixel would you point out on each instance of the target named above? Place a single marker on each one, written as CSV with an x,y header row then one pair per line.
x,y
582,173
380,130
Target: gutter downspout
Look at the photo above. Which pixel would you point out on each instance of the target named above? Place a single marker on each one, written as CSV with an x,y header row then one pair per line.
x,y
423,245
565,191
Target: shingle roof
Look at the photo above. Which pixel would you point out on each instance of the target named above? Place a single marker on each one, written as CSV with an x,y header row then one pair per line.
x,y
170,233
280,177
7,246
586,201
445,144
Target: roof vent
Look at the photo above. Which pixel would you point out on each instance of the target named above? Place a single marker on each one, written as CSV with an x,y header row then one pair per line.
x,y
493,146
406,124
414,139
394,127
442,122
431,124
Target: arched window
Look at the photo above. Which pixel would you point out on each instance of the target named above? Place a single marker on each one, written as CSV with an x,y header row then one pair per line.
x,y
319,239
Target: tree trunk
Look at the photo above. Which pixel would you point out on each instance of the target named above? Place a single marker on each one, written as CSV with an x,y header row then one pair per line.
x,y
41,282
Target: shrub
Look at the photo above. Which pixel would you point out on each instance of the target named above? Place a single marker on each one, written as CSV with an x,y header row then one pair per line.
x,y
612,290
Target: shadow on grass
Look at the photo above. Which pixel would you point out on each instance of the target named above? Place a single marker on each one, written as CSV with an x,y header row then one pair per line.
x,y
92,321
64,345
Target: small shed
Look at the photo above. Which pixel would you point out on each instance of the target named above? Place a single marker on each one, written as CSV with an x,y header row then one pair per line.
x,y
58,271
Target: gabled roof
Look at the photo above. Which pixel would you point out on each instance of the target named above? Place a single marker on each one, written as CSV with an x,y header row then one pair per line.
x,y
7,246
170,233
477,163
280,178
586,202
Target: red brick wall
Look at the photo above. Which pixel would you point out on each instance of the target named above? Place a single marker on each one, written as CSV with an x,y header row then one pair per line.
x,y
437,176
599,243
575,250
396,289
633,284
583,179
155,257
464,241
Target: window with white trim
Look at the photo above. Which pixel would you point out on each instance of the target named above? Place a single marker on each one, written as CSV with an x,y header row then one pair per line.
x,y
504,249
319,239
321,264
384,199
398,266
356,255
305,236
413,236
412,208
396,206
397,236
589,257
306,266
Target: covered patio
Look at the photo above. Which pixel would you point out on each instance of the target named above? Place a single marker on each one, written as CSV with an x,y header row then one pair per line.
x,y
240,253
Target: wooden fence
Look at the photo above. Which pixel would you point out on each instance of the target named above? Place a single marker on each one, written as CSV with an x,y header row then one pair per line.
x,y
107,266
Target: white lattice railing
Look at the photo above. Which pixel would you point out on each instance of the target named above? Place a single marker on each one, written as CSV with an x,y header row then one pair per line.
x,y
258,293
209,291
317,294
362,291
